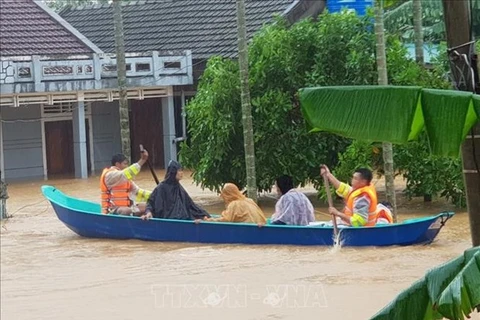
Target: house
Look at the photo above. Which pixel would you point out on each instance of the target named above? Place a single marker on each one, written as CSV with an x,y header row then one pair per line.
x,y
59,69
59,98
205,27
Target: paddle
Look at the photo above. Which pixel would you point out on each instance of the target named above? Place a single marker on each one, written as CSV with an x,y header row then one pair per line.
x,y
330,204
150,166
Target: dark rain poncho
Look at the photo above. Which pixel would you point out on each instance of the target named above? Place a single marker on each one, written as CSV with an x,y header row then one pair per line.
x,y
169,200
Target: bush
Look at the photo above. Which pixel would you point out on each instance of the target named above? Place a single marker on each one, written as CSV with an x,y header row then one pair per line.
x,y
338,49
429,175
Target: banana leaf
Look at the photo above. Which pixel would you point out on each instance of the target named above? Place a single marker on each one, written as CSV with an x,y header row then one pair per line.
x,y
476,104
393,114
450,116
451,291
462,294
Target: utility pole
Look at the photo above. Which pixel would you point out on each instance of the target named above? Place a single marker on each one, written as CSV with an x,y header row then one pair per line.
x,y
122,79
248,143
458,25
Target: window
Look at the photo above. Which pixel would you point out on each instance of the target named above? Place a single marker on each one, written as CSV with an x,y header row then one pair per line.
x,y
63,108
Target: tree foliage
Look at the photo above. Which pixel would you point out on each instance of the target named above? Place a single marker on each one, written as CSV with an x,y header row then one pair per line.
x,y
400,19
338,49
427,174
359,154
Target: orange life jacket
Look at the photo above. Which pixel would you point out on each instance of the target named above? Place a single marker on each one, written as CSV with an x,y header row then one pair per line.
x,y
116,196
372,211
384,213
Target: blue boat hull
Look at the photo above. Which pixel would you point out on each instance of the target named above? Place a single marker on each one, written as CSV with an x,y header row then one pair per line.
x,y
84,218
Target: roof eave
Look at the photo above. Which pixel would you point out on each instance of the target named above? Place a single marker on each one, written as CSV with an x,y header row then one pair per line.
x,y
301,9
290,7
77,56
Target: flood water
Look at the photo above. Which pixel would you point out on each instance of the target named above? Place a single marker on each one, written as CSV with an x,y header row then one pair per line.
x,y
48,272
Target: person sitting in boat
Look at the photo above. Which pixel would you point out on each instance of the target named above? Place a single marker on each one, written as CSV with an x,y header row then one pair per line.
x,y
361,198
169,200
384,213
239,208
120,195
293,207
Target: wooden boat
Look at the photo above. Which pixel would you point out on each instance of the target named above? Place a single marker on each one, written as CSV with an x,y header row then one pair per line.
x,y
85,219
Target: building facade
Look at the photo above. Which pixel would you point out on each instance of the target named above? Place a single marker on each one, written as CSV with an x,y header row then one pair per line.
x,y
59,98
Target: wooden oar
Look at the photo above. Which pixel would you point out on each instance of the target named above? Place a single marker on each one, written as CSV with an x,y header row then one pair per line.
x,y
330,204
150,166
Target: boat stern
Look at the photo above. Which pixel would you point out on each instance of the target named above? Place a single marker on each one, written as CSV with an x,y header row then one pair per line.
x,y
434,229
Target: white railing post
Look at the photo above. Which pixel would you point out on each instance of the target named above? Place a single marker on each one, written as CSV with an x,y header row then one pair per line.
x,y
97,67
37,73
155,64
188,54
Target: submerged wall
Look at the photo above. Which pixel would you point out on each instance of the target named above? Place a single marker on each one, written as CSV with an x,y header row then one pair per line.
x,y
22,142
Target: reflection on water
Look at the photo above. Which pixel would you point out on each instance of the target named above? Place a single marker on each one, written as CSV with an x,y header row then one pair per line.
x,y
47,272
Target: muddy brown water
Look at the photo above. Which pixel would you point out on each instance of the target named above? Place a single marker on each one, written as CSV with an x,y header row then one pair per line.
x,y
48,272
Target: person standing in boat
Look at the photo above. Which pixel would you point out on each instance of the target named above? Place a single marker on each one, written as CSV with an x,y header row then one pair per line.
x,y
169,200
293,207
120,195
239,208
360,198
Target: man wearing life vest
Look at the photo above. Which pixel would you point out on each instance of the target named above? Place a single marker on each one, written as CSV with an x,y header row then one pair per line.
x,y
120,195
384,213
360,198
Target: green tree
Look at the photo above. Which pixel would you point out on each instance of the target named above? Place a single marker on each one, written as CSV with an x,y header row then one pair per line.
x,y
400,19
429,175
338,49
359,154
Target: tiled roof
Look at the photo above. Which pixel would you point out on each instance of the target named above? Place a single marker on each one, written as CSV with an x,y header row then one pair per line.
x,y
207,27
26,28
